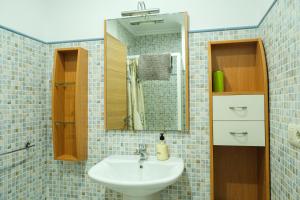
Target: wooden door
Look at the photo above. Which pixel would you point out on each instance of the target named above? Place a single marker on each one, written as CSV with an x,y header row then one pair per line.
x,y
115,84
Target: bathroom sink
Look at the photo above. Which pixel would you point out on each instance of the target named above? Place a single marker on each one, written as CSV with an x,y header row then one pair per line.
x,y
137,180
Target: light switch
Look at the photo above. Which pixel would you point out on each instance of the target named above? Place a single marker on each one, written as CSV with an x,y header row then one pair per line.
x,y
294,135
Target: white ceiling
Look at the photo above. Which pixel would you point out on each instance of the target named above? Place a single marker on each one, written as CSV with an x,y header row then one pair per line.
x,y
59,20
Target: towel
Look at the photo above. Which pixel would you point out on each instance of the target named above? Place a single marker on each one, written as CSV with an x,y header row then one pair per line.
x,y
154,67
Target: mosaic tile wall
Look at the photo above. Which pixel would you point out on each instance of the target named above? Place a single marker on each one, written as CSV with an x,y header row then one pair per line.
x,y
160,100
160,105
22,116
25,109
281,35
70,181
158,43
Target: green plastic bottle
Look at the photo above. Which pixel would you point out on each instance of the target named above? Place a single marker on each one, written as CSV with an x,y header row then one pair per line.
x,y
218,81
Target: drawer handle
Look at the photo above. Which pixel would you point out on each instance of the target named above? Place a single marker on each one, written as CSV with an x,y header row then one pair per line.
x,y
239,133
238,107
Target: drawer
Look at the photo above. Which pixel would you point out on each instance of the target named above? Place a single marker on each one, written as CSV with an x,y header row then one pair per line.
x,y
239,133
238,107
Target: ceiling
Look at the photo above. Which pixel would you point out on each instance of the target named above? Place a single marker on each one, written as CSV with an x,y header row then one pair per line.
x,y
61,20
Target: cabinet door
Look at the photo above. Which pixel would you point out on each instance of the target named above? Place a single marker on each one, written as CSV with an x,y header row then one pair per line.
x,y
116,84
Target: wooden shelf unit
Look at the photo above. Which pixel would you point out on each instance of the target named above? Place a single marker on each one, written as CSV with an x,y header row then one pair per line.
x,y
70,104
239,172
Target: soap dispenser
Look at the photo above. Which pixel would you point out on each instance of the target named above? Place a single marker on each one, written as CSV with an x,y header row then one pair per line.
x,y
162,151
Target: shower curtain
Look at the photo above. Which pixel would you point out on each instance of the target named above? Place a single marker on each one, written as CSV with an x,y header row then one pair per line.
x,y
136,110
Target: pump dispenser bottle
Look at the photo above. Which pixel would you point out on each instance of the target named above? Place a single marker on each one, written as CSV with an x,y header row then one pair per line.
x,y
162,151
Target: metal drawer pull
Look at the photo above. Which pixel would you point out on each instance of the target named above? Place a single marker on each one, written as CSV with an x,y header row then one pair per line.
x,y
238,107
239,133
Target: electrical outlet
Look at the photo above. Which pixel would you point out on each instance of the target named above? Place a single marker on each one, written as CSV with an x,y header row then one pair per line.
x,y
294,135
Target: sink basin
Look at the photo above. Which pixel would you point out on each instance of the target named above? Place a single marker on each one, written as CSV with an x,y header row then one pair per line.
x,y
125,174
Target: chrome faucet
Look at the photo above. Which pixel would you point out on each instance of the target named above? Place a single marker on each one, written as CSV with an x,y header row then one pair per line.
x,y
142,151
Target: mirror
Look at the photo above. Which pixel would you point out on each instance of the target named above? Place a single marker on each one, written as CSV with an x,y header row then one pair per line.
x,y
146,73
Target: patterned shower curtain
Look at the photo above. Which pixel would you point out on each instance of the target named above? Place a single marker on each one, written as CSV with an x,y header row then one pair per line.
x,y
136,109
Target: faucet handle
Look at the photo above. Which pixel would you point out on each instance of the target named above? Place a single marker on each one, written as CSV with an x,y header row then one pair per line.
x,y
142,147
137,152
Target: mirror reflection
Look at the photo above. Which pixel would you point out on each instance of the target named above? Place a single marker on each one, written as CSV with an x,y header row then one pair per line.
x,y
146,73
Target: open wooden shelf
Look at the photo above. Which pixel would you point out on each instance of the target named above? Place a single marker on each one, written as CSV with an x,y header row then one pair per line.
x,y
69,104
241,63
239,172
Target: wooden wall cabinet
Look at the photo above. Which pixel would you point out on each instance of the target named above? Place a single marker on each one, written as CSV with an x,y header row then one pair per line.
x,y
70,104
239,121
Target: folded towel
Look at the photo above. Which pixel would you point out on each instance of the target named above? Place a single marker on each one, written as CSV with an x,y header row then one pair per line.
x,y
154,67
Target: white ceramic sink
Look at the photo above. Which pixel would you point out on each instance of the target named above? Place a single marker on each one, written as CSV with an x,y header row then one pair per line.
x,y
124,174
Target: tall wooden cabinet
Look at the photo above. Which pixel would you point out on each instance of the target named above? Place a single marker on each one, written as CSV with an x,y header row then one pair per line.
x,y
239,121
70,104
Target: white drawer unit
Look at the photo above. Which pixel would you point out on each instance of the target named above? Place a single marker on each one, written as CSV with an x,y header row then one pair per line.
x,y
238,107
239,133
